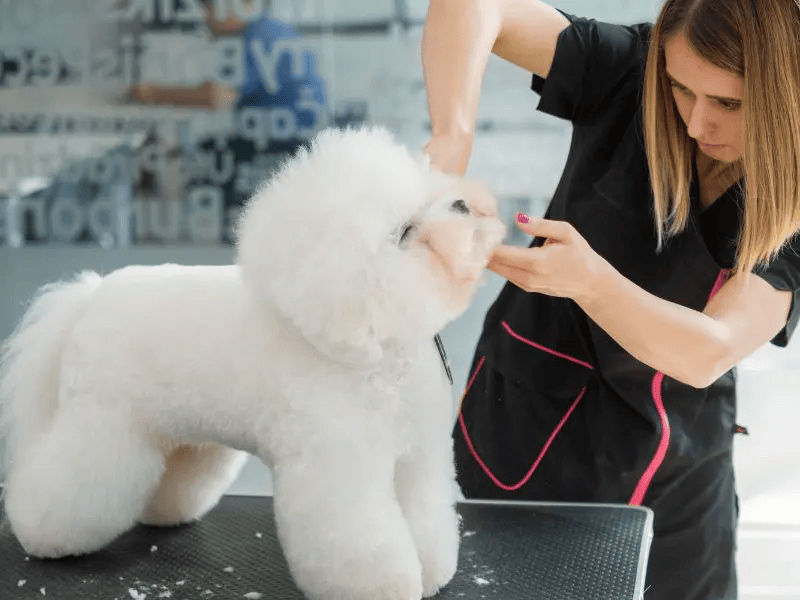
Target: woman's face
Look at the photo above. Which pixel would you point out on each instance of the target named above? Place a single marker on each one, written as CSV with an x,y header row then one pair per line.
x,y
709,100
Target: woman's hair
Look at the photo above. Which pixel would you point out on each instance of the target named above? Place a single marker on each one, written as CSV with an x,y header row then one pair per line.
x,y
758,40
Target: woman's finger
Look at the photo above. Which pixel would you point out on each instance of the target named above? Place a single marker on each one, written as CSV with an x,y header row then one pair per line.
x,y
514,256
526,259
552,230
522,278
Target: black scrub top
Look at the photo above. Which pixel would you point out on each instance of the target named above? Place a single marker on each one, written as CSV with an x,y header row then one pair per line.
x,y
596,82
554,409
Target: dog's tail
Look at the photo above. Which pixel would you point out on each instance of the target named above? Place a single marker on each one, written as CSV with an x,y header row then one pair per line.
x,y
30,360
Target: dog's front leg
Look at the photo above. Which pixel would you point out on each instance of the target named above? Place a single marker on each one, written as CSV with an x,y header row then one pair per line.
x,y
340,525
427,492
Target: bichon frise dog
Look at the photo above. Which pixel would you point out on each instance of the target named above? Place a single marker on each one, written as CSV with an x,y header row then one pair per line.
x,y
134,397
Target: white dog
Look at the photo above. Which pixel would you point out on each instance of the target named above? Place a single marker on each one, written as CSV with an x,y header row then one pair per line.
x,y
135,396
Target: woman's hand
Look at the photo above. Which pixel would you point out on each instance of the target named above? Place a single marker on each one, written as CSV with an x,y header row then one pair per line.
x,y
449,152
565,266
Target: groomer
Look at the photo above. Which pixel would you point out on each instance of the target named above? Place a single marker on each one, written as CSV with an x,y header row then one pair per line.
x,y
605,368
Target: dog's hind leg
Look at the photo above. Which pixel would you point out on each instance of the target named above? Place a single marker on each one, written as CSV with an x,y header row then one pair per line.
x,y
195,477
80,485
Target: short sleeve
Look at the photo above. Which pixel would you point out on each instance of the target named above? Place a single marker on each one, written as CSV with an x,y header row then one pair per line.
x,y
783,273
593,62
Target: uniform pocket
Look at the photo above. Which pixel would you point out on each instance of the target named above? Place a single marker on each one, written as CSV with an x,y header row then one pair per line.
x,y
515,405
553,369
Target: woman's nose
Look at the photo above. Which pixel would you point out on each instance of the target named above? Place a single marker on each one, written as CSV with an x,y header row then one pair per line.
x,y
699,122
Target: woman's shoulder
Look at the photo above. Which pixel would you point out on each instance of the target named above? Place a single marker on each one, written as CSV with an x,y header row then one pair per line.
x,y
613,41
623,35
595,63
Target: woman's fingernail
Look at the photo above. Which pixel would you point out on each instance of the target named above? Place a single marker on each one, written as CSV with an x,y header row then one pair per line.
x,y
523,218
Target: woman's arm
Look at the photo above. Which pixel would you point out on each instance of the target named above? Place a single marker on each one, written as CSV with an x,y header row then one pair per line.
x,y
456,42
693,347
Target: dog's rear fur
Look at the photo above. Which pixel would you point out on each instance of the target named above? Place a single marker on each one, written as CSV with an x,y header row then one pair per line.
x,y
30,361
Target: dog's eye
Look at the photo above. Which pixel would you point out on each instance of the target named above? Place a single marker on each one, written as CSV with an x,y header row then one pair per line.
x,y
460,206
406,232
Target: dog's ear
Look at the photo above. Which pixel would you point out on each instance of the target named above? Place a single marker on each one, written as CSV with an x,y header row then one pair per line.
x,y
338,324
347,336
314,278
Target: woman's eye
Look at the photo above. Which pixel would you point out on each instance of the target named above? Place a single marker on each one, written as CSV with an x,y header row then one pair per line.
x,y
731,106
679,87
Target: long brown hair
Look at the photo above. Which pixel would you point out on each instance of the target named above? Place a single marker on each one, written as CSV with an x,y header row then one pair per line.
x,y
758,40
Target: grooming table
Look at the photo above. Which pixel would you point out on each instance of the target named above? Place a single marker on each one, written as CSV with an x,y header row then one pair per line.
x,y
509,551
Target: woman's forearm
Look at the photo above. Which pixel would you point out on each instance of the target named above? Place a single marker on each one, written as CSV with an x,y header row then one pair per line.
x,y
693,347
458,37
682,343
456,43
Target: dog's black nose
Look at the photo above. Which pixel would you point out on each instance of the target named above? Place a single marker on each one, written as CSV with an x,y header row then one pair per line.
x,y
460,206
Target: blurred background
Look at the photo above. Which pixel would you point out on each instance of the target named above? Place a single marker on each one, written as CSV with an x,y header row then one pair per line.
x,y
131,131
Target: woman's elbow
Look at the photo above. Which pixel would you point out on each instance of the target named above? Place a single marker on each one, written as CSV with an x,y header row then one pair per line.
x,y
698,378
703,379
714,362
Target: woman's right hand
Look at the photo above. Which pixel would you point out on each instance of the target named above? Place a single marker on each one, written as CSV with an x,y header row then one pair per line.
x,y
457,39
449,152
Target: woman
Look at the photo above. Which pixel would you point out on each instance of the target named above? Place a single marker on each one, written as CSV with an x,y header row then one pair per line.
x,y
604,371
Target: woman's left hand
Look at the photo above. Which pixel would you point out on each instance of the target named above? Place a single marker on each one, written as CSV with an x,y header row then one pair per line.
x,y
565,266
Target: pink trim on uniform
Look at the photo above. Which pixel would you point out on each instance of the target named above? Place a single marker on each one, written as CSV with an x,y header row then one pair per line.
x,y
547,444
474,375
535,465
721,279
515,335
661,450
655,389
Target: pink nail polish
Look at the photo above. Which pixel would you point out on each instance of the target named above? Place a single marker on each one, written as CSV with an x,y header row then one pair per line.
x,y
523,218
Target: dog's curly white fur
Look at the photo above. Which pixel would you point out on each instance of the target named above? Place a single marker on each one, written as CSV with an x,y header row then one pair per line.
x,y
134,396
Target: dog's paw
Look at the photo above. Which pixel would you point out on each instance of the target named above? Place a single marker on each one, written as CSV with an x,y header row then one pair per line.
x,y
367,587
399,589
437,541
438,568
387,572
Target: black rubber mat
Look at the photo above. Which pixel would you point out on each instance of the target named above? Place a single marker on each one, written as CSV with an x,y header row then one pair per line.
x,y
509,551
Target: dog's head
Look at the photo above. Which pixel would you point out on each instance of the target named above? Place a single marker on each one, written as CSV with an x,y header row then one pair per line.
x,y
360,244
